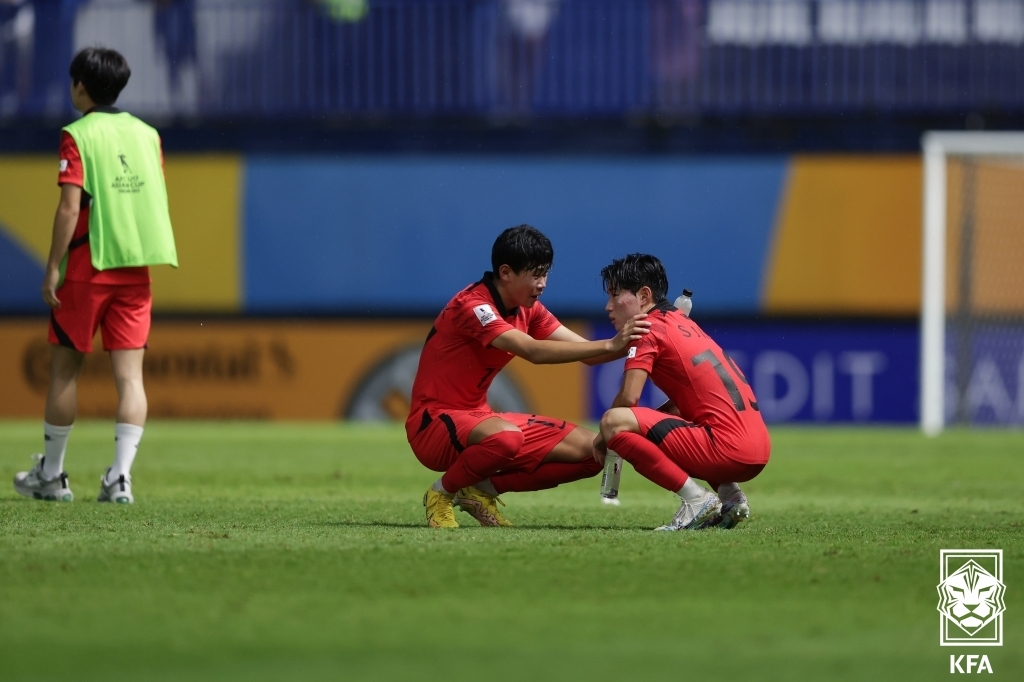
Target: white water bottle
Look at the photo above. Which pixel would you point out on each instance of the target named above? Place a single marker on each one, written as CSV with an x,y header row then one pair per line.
x,y
685,302
610,479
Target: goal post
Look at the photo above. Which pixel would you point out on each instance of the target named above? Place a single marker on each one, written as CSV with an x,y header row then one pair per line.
x,y
972,295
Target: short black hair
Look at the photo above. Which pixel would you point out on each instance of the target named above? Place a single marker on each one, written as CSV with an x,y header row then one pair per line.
x,y
635,271
103,72
522,247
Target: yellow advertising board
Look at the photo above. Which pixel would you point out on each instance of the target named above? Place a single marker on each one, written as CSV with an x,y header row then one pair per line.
x,y
235,369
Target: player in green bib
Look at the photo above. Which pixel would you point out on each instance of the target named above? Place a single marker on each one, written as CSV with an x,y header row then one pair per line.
x,y
112,223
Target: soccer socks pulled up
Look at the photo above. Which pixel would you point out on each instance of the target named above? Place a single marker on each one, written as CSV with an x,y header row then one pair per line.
x,y
692,492
54,446
649,461
480,461
547,475
126,446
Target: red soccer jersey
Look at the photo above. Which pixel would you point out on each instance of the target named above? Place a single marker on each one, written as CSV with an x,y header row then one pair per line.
x,y
458,362
703,382
80,267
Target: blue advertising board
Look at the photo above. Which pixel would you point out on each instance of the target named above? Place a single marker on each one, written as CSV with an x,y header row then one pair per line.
x,y
822,372
994,383
401,235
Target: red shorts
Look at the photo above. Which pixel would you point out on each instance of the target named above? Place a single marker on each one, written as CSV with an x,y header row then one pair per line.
x,y
438,436
122,312
694,449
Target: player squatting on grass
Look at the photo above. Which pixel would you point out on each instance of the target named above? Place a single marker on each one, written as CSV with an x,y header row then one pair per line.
x,y
482,453
452,429
710,427
112,222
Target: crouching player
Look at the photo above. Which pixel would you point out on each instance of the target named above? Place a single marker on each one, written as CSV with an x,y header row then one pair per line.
x,y
451,428
710,429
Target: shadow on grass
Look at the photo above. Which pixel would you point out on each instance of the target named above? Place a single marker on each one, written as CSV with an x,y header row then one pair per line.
x,y
513,529
372,524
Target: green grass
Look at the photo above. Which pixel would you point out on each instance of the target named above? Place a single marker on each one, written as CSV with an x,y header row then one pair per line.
x,y
266,552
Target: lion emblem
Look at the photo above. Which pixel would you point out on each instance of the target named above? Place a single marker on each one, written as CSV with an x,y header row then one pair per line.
x,y
971,597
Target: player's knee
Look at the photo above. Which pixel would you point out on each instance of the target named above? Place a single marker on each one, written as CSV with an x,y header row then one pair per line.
x,y
505,443
65,364
615,421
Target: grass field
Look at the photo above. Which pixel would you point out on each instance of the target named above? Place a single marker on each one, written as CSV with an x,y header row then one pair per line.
x,y
284,552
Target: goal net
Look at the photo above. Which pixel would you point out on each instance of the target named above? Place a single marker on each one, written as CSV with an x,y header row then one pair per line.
x,y
972,303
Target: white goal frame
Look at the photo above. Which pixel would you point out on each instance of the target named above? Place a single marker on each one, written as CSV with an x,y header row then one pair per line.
x,y
937,147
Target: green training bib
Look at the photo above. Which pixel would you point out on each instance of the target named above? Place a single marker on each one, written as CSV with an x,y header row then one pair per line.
x,y
129,222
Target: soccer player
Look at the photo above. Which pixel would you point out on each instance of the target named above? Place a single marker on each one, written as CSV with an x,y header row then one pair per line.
x,y
112,222
451,428
710,428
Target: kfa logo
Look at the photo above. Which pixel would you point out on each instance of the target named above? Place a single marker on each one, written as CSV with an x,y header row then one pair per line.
x,y
972,663
971,593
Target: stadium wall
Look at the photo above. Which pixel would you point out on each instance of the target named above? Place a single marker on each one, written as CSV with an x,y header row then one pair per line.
x,y
267,240
284,369
396,235
819,372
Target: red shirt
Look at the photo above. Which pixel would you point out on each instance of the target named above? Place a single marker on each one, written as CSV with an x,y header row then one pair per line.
x,y
703,382
458,362
80,267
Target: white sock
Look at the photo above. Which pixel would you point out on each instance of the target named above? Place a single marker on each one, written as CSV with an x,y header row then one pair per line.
x,y
485,486
726,491
437,487
692,491
126,445
55,443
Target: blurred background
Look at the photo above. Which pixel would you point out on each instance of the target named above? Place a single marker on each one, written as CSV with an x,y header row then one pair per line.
x,y
338,169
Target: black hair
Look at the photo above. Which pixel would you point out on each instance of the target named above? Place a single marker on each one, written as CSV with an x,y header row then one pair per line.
x,y
522,248
635,271
102,71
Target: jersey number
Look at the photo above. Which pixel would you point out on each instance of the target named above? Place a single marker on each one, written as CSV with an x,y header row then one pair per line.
x,y
723,374
487,375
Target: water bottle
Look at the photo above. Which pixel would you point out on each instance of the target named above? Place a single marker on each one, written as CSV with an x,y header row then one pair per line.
x,y
685,302
610,479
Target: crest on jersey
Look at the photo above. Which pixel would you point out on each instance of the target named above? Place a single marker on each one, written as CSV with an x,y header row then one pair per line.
x,y
63,165
632,353
485,314
971,593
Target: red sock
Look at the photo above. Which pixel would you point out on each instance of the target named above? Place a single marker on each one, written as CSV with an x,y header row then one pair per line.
x,y
547,475
480,461
649,461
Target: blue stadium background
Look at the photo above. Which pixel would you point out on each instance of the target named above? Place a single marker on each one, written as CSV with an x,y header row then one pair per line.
x,y
369,151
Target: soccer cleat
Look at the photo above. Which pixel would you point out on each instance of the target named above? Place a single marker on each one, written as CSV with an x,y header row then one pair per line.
x,y
694,515
440,513
734,511
481,506
118,491
32,484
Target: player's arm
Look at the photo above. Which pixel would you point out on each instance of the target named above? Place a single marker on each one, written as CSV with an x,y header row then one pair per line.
x,y
563,333
63,228
550,352
633,381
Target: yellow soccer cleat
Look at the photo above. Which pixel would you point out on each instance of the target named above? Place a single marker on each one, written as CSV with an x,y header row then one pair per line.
x,y
439,509
481,506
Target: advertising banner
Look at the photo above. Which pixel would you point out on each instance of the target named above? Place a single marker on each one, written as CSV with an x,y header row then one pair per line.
x,y
229,369
806,371
985,374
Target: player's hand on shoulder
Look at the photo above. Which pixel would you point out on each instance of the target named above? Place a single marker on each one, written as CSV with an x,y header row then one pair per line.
x,y
50,281
633,330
